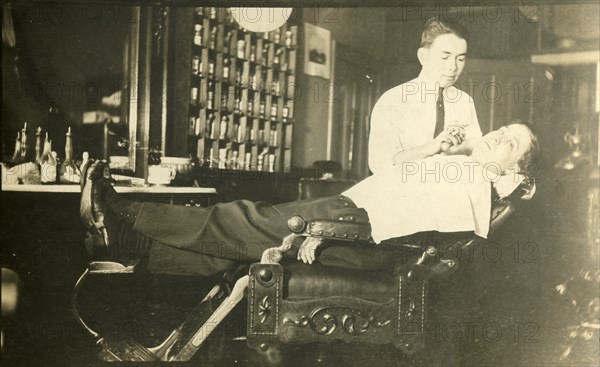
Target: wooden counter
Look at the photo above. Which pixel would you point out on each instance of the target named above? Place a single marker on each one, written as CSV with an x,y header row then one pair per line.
x,y
120,189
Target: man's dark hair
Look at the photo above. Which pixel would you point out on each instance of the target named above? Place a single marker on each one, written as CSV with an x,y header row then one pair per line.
x,y
528,163
435,27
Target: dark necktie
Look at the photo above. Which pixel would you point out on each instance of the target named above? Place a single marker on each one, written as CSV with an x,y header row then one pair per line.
x,y
439,114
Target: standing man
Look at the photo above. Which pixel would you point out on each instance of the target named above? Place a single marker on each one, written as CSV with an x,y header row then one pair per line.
x,y
426,115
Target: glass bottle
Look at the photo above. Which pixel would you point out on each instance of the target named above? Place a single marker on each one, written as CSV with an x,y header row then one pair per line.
x,y
210,103
236,133
265,55
261,109
211,125
274,137
24,144
84,158
196,65
224,100
68,171
250,108
248,161
39,143
16,158
241,49
238,101
238,76
285,112
223,127
277,56
235,160
49,163
227,41
213,38
198,34
211,69
274,112
226,68
194,96
271,162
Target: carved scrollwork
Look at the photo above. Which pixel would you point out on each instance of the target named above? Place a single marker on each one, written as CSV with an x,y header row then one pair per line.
x,y
325,320
264,309
299,323
324,323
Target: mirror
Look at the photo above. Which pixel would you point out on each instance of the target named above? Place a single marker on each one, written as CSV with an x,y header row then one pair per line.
x,y
72,65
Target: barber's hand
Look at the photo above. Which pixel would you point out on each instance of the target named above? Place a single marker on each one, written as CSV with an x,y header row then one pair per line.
x,y
452,136
306,252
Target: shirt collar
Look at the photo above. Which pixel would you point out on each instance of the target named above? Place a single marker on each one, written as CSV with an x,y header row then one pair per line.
x,y
428,83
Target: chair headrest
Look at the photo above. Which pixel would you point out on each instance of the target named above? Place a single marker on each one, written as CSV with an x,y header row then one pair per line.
x,y
528,189
515,186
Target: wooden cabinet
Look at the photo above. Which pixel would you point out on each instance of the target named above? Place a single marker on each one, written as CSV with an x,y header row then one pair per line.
x,y
231,91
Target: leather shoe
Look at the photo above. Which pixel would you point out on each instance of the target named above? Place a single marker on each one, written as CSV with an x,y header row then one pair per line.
x,y
92,208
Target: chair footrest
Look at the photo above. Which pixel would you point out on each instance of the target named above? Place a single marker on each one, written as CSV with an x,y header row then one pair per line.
x,y
125,351
110,267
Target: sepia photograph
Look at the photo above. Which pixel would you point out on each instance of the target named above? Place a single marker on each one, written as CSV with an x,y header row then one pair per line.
x,y
307,183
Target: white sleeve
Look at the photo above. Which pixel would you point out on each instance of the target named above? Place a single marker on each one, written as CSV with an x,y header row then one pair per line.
x,y
384,138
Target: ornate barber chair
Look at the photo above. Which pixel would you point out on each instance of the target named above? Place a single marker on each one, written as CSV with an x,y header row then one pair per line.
x,y
300,303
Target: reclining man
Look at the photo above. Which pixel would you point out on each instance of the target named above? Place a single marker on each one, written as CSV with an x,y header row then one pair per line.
x,y
444,193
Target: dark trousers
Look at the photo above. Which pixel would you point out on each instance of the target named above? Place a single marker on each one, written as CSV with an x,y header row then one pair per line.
x,y
195,240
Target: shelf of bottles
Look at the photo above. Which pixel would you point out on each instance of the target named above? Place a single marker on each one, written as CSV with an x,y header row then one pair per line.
x,y
241,93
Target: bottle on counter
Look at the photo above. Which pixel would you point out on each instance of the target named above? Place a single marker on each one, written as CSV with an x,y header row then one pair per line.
x,y
271,162
84,159
49,164
17,153
39,143
68,171
248,161
234,164
24,144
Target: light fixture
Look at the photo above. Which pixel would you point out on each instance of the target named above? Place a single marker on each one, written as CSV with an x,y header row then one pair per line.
x,y
261,19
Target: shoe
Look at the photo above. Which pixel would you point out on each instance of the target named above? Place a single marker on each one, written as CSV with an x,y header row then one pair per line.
x,y
92,208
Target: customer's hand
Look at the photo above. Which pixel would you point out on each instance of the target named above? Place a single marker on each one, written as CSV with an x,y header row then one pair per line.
x,y
307,249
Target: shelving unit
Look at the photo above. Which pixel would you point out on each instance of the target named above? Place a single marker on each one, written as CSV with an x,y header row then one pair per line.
x,y
240,92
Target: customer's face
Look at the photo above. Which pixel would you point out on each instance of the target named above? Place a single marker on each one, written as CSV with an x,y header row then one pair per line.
x,y
444,60
504,147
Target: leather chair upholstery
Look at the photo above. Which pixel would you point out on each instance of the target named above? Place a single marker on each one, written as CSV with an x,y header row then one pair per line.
x,y
299,303
302,281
